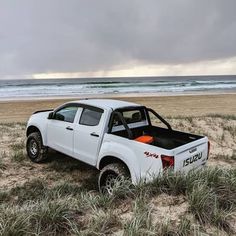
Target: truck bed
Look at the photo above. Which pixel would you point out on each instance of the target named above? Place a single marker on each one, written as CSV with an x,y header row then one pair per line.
x,y
164,138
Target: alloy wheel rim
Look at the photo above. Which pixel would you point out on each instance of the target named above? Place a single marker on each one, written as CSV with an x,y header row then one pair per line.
x,y
110,182
33,147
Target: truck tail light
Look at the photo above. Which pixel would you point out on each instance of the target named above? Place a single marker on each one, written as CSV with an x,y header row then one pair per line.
x,y
208,150
167,161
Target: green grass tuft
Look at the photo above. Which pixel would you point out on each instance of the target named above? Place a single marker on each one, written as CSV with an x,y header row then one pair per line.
x,y
18,156
141,222
18,146
13,221
52,217
31,190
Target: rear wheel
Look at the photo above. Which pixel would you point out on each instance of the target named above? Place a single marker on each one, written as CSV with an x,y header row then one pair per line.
x,y
109,175
35,149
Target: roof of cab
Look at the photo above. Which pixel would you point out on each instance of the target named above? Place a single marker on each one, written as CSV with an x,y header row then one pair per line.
x,y
107,103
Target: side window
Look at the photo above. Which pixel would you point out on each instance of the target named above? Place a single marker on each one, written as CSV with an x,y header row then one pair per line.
x,y
66,114
90,117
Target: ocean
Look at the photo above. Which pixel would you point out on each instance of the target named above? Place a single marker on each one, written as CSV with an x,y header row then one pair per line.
x,y
46,88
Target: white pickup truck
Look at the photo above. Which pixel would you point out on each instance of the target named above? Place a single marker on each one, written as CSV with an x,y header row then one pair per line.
x,y
116,137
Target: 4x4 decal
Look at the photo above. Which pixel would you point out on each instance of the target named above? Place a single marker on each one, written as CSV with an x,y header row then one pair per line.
x,y
149,154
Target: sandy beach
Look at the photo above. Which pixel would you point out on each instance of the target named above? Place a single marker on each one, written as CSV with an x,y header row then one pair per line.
x,y
182,105
22,181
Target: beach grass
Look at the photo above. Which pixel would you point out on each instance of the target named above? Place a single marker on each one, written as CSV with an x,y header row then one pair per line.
x,y
66,208
60,196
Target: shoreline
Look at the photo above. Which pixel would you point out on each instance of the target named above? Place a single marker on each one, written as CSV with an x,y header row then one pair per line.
x,y
118,95
173,105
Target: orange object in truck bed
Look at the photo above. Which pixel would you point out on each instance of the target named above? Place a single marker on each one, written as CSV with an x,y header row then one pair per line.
x,y
145,139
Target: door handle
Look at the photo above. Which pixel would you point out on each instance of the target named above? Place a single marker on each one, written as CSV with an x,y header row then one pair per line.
x,y
69,128
94,134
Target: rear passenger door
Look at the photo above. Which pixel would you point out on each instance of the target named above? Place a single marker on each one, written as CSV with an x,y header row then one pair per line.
x,y
88,132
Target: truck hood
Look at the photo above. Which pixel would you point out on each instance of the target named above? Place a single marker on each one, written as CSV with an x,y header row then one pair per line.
x,y
43,114
40,111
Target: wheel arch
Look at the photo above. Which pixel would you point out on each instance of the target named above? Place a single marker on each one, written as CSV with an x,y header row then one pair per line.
x,y
31,129
106,160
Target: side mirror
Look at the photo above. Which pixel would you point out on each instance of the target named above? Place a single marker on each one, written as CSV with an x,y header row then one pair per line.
x,y
50,115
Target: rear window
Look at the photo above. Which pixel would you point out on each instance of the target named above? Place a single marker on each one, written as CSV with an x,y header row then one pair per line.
x,y
90,117
132,116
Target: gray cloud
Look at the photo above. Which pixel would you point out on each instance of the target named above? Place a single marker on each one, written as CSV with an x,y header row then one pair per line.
x,y
65,36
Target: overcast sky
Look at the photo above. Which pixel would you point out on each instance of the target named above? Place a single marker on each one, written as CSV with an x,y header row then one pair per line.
x,y
116,37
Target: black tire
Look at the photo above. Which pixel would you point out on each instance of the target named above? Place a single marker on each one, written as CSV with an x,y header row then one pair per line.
x,y
109,174
35,149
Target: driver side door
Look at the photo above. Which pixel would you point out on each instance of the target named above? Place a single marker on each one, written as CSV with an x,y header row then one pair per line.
x,y
60,130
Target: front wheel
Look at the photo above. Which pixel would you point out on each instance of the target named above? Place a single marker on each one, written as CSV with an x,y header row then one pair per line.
x,y
35,149
109,175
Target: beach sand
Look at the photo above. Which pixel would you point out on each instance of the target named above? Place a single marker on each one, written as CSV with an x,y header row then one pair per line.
x,y
186,105
22,179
